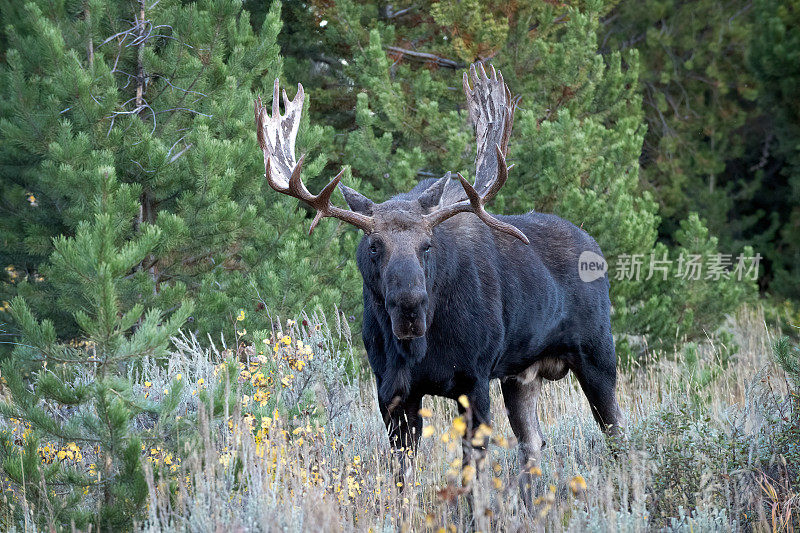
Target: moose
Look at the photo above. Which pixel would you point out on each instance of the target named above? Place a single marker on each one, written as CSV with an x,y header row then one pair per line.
x,y
454,296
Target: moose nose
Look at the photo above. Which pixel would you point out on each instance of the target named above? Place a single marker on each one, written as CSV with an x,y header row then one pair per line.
x,y
412,304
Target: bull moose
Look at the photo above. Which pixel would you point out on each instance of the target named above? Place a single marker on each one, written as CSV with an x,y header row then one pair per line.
x,y
454,296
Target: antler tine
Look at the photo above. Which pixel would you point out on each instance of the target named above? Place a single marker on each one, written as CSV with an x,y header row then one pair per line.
x,y
275,101
276,135
476,204
296,186
323,199
502,175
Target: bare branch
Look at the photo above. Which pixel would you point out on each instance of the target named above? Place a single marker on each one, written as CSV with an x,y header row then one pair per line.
x,y
424,56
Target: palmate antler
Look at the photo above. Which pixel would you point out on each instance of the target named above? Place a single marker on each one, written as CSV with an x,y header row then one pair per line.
x,y
492,111
276,135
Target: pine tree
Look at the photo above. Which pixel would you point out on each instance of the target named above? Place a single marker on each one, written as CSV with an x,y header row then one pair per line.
x,y
162,93
775,61
89,381
716,141
696,88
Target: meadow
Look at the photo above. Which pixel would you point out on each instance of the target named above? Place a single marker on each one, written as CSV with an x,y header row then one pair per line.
x,y
299,445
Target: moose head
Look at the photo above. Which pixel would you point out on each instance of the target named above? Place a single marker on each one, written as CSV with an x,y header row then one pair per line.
x,y
400,240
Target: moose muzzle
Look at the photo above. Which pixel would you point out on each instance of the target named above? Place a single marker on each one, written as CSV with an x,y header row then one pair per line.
x,y
408,312
407,299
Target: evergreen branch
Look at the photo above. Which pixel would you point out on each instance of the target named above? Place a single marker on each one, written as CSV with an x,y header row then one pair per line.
x,y
179,154
142,168
180,88
392,15
201,72
53,359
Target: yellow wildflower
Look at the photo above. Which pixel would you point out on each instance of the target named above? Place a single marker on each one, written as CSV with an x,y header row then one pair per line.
x,y
577,484
501,441
464,401
460,426
467,474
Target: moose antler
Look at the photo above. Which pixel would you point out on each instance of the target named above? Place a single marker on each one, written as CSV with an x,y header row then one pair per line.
x,y
476,203
491,110
276,135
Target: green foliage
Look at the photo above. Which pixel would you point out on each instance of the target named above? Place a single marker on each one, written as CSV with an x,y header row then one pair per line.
x,y
787,356
694,82
166,104
686,447
696,459
677,307
46,377
719,83
775,61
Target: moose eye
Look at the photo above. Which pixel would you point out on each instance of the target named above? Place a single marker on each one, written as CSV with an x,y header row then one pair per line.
x,y
374,249
426,248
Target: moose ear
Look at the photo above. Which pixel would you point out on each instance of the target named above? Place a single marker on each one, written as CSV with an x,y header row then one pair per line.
x,y
431,196
356,201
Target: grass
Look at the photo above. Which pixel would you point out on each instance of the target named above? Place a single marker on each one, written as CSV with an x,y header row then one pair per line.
x,y
701,455
296,444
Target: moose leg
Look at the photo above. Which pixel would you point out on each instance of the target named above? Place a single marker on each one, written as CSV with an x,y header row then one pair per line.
x,y
521,395
404,426
598,378
476,413
473,445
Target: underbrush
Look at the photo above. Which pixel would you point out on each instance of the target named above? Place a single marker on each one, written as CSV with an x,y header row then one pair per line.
x,y
284,435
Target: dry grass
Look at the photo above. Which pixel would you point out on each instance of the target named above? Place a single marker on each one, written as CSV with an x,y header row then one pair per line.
x,y
698,456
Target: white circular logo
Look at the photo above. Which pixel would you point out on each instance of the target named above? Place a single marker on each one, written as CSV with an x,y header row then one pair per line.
x,y
591,266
